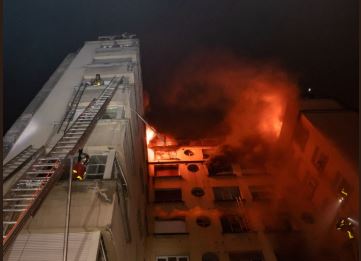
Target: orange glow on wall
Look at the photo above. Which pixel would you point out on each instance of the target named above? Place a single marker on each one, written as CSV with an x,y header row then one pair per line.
x,y
150,134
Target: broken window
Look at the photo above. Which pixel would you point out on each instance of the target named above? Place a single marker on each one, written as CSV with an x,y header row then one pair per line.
x,y
226,193
168,195
234,224
219,166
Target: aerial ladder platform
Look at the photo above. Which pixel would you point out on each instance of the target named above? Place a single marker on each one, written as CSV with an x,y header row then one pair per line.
x,y
26,194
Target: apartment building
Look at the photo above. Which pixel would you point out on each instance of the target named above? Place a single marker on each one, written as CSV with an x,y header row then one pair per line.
x,y
203,206
200,209
92,102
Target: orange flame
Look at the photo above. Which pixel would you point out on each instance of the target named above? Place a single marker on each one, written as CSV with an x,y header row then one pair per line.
x,y
150,134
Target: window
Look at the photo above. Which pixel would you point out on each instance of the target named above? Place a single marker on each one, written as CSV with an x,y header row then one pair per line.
x,y
166,155
246,256
220,166
260,193
168,195
111,113
170,226
226,193
172,258
234,224
319,159
96,166
166,170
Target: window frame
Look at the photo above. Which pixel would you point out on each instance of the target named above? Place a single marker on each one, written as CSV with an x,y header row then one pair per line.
x,y
234,224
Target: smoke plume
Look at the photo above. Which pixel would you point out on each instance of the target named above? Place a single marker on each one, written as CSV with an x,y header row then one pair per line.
x,y
214,94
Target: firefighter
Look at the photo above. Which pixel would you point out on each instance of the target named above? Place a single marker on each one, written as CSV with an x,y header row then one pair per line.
x,y
79,169
97,81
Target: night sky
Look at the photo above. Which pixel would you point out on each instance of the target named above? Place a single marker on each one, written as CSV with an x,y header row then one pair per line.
x,y
317,41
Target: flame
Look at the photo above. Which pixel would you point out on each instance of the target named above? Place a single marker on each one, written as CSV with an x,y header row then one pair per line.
x,y
150,134
270,118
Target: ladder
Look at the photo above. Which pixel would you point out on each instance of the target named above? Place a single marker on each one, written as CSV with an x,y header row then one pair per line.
x,y
25,196
16,163
72,107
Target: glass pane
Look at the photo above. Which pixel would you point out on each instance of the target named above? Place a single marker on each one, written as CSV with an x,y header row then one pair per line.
x,y
101,168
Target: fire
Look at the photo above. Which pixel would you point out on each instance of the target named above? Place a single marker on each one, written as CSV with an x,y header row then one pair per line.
x,y
271,117
150,134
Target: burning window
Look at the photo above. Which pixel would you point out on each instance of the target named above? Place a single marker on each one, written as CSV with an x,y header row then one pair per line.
x,y
246,256
163,226
234,224
168,195
226,193
166,155
219,166
166,170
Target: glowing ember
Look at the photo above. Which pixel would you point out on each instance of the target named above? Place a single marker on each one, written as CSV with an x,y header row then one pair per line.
x,y
150,134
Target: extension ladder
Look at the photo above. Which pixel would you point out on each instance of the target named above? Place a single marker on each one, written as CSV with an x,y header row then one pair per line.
x,y
26,195
16,163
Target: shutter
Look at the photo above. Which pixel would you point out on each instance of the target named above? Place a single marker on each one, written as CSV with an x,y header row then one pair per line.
x,y
83,246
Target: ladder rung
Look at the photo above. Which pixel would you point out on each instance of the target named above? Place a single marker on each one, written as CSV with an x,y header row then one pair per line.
x,y
17,199
9,222
14,210
40,172
64,147
51,159
25,189
34,179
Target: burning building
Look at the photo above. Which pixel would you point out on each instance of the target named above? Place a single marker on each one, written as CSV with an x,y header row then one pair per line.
x,y
271,179
207,204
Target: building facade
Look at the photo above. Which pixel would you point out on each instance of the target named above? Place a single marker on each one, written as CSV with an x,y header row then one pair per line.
x,y
204,206
107,208
163,200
